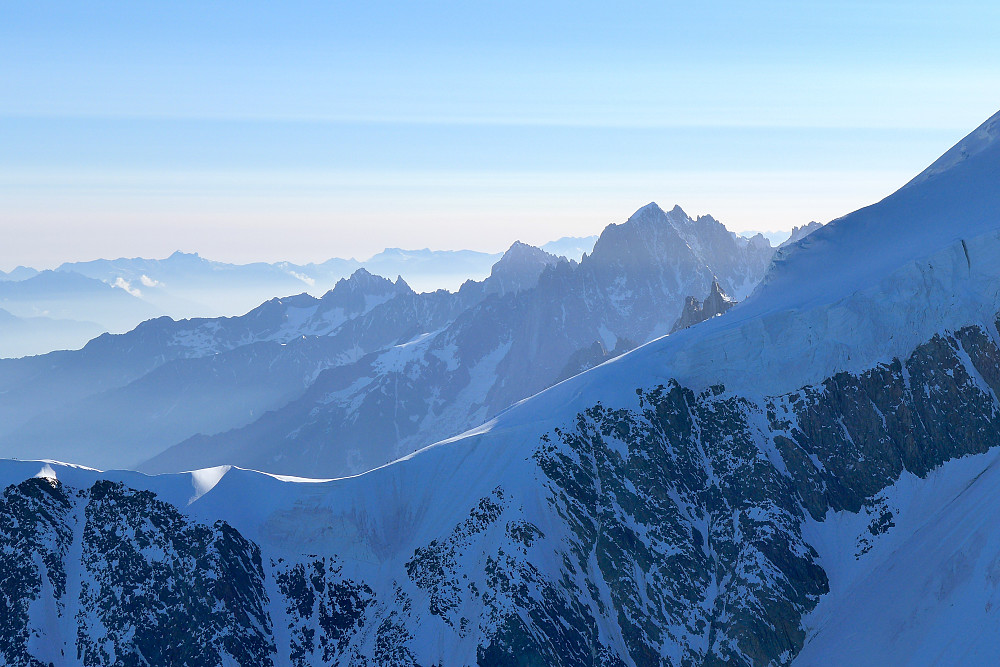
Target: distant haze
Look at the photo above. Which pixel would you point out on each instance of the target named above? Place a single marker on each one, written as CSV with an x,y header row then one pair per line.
x,y
301,131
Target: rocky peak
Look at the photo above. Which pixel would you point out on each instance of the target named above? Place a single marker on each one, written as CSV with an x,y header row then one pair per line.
x,y
759,242
648,234
518,269
364,282
716,303
180,257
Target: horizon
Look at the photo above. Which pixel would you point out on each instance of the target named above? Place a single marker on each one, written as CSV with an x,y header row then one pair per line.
x,y
772,236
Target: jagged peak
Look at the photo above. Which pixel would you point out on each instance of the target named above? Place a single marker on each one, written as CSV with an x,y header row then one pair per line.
x,y
524,251
799,233
758,240
652,212
363,280
716,292
401,285
716,303
519,268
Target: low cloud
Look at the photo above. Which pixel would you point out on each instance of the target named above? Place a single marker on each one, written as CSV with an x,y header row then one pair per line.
x,y
304,278
147,281
123,284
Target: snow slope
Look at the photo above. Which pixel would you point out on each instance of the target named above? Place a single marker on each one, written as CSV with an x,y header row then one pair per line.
x,y
927,591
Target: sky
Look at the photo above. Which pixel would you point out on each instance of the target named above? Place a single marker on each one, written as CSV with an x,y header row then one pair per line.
x,y
300,131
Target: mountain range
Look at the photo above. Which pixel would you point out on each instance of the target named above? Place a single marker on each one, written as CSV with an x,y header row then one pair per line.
x,y
79,300
807,479
372,370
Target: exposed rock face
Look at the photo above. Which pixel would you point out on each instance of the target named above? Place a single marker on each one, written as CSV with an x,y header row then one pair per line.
x,y
716,303
668,533
518,269
111,575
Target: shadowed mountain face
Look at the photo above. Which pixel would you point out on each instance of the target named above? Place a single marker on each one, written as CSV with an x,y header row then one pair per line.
x,y
680,505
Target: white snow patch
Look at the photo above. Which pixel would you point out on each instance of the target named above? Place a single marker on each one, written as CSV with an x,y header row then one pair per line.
x,y
46,471
204,480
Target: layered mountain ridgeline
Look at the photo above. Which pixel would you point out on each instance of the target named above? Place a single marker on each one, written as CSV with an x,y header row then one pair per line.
x,y
669,532
116,295
188,285
23,336
510,345
57,310
452,359
124,398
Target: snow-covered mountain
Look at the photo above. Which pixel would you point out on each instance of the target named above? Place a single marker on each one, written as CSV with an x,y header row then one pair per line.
x,y
124,398
186,285
797,482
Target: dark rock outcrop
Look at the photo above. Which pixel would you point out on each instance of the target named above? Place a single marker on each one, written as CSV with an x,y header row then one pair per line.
x,y
716,303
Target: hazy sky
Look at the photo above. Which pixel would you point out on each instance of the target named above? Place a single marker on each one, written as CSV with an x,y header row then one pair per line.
x,y
302,131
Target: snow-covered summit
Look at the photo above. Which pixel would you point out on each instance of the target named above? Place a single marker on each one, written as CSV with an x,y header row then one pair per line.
x,y
618,518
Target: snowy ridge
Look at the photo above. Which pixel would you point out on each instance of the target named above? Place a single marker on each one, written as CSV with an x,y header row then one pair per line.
x,y
979,140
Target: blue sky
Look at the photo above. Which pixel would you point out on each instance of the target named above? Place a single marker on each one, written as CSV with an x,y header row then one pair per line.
x,y
301,131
